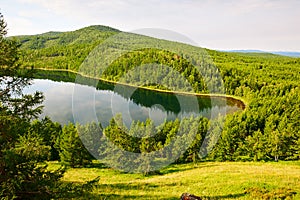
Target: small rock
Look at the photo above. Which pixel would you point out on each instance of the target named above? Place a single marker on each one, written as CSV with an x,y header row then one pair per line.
x,y
187,196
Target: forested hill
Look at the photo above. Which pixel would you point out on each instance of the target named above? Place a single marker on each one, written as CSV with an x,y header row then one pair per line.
x,y
53,38
242,72
62,49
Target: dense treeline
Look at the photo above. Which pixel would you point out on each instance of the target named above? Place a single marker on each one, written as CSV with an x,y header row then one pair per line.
x,y
268,129
245,73
75,145
155,73
144,137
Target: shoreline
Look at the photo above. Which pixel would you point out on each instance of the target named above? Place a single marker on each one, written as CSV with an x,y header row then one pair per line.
x,y
242,103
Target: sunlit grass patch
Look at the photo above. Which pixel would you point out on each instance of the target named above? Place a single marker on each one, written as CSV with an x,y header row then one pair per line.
x,y
210,180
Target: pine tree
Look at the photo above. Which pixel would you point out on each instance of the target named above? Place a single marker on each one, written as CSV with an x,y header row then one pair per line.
x,y
71,150
49,131
22,173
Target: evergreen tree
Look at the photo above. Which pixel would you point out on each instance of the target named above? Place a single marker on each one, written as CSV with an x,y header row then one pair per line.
x,y
71,150
256,146
90,135
22,175
49,131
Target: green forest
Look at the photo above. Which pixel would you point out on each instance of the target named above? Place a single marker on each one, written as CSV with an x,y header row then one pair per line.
x,y
268,129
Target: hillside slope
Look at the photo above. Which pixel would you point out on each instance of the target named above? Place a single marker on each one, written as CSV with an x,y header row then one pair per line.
x,y
62,50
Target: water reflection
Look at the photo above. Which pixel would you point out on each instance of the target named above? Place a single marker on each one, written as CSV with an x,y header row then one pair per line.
x,y
133,103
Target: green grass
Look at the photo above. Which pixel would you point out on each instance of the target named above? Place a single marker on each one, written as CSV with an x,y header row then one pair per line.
x,y
211,180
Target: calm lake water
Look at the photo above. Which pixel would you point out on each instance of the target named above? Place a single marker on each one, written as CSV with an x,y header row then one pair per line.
x,y
66,101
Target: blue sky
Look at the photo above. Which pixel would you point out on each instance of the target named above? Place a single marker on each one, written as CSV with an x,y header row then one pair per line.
x,y
216,24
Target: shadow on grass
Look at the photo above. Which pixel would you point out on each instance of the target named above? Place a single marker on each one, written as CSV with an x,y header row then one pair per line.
x,y
132,190
179,168
128,189
116,196
97,165
127,186
228,196
173,168
147,196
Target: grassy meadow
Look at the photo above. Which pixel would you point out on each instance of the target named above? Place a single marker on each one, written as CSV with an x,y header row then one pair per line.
x,y
210,180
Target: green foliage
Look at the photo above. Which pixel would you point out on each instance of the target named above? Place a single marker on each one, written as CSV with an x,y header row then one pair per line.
x,y
21,150
90,134
49,131
268,129
24,151
185,136
71,150
24,145
156,60
26,176
32,147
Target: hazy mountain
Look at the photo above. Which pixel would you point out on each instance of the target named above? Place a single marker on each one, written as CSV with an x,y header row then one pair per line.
x,y
282,53
287,53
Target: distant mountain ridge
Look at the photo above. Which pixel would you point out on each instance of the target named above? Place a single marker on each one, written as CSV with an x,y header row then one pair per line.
x,y
282,53
287,53
96,34
67,50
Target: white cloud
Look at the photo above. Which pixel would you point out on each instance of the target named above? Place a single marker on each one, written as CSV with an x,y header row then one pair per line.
x,y
18,26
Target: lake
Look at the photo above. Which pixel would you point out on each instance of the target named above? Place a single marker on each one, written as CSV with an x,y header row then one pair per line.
x,y
66,101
